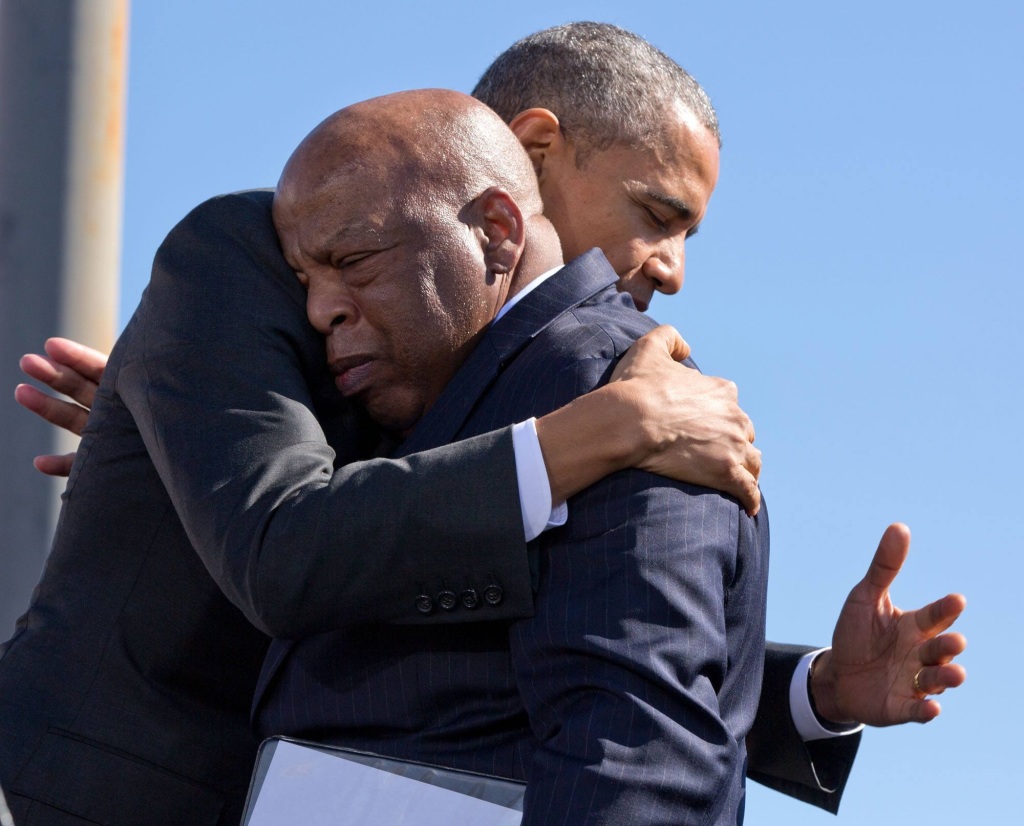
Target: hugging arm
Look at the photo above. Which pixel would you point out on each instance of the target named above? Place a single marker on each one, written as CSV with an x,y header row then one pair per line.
x,y
73,370
227,383
656,415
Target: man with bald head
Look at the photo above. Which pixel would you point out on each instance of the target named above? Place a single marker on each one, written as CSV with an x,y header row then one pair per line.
x,y
389,148
415,224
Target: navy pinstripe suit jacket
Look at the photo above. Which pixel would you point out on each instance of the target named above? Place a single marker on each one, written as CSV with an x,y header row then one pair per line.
x,y
627,697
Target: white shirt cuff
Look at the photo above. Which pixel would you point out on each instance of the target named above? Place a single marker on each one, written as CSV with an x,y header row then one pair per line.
x,y
804,718
534,486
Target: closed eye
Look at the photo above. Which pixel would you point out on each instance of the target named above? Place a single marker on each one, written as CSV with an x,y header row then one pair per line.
x,y
340,262
352,259
655,219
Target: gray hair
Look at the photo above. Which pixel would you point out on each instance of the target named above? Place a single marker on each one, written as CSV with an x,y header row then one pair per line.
x,y
606,85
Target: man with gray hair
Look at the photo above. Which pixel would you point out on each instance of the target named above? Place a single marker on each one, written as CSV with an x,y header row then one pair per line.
x,y
597,109
610,85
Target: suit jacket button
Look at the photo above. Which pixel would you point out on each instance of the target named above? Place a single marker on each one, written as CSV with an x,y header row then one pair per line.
x,y
470,599
424,604
493,595
447,600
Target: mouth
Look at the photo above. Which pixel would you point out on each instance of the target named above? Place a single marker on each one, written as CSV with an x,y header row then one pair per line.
x,y
352,374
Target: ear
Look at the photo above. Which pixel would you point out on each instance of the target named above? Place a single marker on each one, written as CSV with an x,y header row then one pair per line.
x,y
503,228
541,135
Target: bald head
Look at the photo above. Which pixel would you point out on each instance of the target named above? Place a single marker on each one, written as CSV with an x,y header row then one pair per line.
x,y
410,219
435,143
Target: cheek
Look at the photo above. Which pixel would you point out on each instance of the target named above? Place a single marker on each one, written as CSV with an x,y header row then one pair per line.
x,y
596,227
423,327
460,300
438,305
625,255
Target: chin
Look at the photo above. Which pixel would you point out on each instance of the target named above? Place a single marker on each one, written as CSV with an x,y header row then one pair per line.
x,y
396,420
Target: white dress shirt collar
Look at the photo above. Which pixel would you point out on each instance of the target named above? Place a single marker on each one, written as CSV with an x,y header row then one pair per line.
x,y
525,291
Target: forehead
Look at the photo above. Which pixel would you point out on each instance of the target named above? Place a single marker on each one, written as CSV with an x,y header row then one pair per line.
x,y
317,214
685,136
356,184
324,184
683,154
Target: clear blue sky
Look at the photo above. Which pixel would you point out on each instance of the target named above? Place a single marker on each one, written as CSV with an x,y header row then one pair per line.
x,y
858,275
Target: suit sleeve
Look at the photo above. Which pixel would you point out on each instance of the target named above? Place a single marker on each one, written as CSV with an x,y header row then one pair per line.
x,y
641,668
224,378
814,772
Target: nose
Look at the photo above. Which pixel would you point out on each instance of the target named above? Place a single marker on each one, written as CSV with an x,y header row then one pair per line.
x,y
327,304
665,266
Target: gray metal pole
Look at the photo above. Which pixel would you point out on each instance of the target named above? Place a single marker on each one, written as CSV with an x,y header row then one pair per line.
x,y
61,133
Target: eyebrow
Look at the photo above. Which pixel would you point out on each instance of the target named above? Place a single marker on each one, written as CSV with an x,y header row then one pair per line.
x,y
677,205
359,231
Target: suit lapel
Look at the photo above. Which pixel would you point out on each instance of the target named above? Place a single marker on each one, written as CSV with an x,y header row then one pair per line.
x,y
569,287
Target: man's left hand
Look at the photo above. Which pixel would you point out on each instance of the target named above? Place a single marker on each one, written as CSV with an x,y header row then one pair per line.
x,y
884,661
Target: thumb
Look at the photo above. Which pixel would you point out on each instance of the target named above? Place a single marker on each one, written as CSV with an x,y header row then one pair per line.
x,y
888,559
668,337
654,351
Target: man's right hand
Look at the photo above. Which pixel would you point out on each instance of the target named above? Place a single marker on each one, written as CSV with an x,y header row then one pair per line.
x,y
693,426
659,416
68,368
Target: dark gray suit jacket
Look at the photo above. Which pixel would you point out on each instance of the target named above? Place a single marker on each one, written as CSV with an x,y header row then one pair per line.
x,y
125,692
627,697
814,772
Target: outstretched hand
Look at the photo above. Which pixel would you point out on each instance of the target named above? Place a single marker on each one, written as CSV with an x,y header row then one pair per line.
x,y
884,661
68,368
693,423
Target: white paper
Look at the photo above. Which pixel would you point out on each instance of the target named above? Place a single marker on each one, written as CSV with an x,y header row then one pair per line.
x,y
314,788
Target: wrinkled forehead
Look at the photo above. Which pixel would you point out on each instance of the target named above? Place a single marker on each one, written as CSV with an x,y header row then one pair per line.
x,y
349,206
323,184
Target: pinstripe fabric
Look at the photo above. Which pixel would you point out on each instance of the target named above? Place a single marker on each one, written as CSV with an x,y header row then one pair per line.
x,y
626,698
